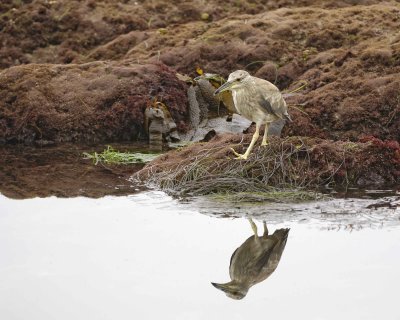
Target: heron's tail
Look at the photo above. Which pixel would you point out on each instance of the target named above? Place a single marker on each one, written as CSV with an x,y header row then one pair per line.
x,y
286,116
282,235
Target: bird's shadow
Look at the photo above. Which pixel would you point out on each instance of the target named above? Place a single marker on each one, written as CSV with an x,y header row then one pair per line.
x,y
254,261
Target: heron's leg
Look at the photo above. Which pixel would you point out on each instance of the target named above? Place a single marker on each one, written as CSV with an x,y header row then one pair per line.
x,y
265,234
265,136
253,226
253,141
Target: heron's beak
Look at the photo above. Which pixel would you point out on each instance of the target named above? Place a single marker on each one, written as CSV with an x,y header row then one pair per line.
x,y
221,286
231,289
226,86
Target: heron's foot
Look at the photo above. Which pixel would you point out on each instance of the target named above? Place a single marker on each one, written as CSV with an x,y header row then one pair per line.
x,y
264,143
238,155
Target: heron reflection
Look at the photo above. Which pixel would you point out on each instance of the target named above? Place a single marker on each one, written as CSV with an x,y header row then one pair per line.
x,y
254,261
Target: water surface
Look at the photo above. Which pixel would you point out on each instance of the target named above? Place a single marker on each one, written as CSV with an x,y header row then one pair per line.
x,y
146,256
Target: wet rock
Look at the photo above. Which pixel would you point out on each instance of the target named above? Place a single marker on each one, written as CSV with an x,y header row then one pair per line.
x,y
371,179
218,125
159,125
154,125
194,107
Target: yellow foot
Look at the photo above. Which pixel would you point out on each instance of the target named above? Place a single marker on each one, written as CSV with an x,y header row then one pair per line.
x,y
239,156
264,143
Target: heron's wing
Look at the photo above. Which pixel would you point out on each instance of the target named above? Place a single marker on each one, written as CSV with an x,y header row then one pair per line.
x,y
281,235
276,252
264,258
262,261
233,254
273,103
266,103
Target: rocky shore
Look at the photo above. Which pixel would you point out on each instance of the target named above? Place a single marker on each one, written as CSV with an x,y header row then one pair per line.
x,y
85,71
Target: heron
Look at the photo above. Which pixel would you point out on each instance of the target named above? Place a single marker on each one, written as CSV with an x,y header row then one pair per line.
x,y
254,261
256,99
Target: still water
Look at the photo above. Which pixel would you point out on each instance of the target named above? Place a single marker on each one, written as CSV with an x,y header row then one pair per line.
x,y
147,256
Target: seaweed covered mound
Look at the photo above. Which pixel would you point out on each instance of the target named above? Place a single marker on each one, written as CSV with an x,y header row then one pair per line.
x,y
62,31
290,163
349,57
346,52
96,101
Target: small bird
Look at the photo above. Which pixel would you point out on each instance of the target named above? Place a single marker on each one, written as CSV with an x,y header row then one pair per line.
x,y
257,100
254,261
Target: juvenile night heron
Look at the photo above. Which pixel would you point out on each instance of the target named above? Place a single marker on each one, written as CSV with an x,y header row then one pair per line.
x,y
254,261
257,100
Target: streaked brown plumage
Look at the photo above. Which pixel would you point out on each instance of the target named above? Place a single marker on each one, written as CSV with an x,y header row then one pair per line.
x,y
257,100
254,261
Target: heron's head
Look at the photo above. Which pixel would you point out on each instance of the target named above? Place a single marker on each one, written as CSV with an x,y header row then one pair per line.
x,y
233,289
236,80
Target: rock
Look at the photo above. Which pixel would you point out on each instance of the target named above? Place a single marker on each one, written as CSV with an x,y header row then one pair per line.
x,y
205,16
159,125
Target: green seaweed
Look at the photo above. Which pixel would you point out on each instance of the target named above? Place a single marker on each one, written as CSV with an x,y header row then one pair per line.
x,y
111,156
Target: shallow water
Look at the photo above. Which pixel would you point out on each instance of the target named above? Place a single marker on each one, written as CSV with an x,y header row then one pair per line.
x,y
147,256
62,171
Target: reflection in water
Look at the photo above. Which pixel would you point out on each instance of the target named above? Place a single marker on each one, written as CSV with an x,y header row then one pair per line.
x,y
254,261
82,258
365,210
